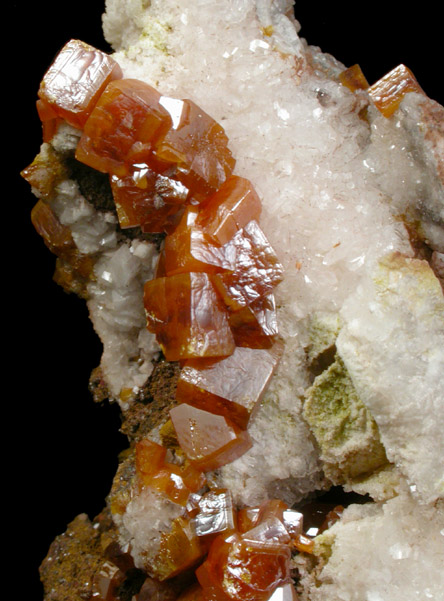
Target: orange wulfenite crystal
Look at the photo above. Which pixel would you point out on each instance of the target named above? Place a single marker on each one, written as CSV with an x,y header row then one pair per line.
x,y
232,386
255,326
188,249
209,441
242,569
388,92
353,78
75,80
57,237
256,268
142,198
176,482
197,145
188,317
229,209
180,549
123,126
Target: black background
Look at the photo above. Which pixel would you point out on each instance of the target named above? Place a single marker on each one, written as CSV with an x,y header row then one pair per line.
x,y
60,448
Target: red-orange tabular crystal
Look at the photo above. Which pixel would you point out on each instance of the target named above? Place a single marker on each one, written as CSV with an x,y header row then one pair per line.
x,y
187,249
175,482
209,441
106,582
388,92
180,549
123,126
57,237
197,145
255,325
75,80
232,386
238,569
256,268
229,209
353,78
142,199
188,317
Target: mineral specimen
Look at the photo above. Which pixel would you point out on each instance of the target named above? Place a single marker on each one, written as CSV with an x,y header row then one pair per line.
x,y
290,361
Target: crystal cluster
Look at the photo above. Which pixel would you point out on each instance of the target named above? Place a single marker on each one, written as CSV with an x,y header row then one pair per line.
x,y
211,307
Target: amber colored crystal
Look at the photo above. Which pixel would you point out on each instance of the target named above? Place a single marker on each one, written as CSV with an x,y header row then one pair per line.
x,y
232,386
50,120
106,582
188,249
57,237
123,126
229,209
303,543
255,325
209,441
180,549
142,198
197,145
188,317
353,78
239,569
73,83
216,513
256,268
176,482
247,518
388,92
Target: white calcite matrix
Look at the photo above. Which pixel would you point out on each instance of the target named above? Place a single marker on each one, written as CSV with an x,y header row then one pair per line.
x,y
334,185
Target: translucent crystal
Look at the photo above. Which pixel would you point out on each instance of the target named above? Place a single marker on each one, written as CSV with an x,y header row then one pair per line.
x,y
106,582
209,441
188,249
75,80
229,209
180,550
197,145
123,126
256,268
188,317
255,325
353,78
388,91
146,199
270,531
232,386
176,482
237,569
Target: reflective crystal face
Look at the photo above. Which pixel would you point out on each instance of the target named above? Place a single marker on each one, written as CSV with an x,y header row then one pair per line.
x,y
74,82
232,386
208,440
188,317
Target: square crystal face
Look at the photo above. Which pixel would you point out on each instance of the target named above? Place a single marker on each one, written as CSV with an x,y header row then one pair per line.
x,y
188,317
75,80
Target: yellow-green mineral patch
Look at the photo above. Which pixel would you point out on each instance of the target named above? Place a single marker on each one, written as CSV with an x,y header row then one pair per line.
x,y
346,433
